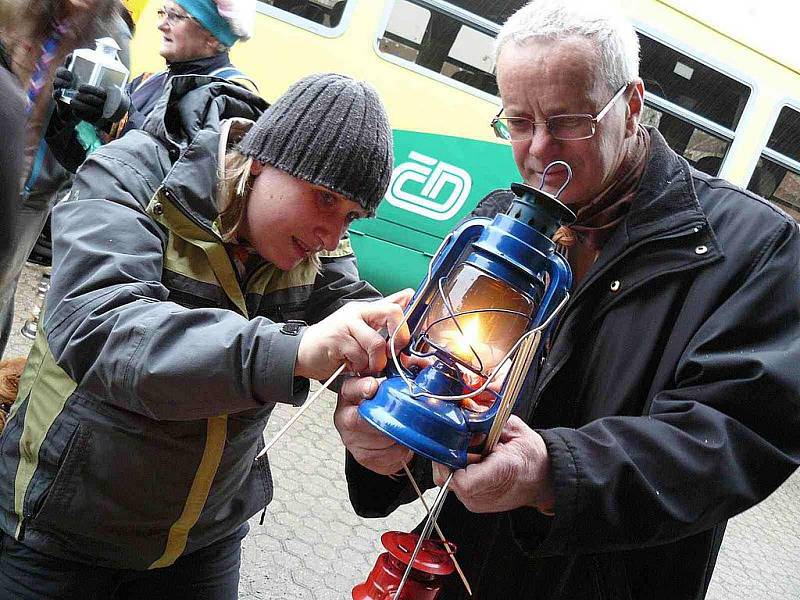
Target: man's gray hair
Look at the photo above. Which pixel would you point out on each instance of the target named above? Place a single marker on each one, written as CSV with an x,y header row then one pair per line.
x,y
599,21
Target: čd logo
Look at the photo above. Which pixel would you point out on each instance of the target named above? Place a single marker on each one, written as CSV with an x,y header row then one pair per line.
x,y
429,187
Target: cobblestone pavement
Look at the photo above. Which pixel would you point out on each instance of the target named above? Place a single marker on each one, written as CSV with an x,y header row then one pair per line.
x,y
313,547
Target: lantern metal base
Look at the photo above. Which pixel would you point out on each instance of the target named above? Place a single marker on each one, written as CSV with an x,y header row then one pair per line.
x,y
436,429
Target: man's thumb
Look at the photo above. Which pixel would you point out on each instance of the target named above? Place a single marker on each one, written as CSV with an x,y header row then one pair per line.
x,y
357,389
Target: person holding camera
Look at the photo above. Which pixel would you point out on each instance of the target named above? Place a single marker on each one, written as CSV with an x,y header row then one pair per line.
x,y
35,37
196,38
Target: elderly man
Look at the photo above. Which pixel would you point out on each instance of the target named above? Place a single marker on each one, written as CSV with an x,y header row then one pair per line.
x,y
668,400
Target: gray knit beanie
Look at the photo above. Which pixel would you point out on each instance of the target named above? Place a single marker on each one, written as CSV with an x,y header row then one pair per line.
x,y
329,130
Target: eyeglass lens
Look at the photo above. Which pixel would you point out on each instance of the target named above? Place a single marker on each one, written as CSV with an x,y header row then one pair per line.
x,y
561,127
172,17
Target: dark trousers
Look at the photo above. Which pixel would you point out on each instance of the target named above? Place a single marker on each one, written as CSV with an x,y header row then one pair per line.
x,y
208,574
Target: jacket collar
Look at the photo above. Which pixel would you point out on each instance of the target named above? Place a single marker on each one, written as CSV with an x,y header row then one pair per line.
x,y
665,204
199,65
186,120
666,200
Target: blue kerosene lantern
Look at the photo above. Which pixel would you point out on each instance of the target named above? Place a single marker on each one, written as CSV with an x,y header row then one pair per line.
x,y
477,321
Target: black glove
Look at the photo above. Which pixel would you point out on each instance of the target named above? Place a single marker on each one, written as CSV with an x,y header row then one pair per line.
x,y
88,103
62,81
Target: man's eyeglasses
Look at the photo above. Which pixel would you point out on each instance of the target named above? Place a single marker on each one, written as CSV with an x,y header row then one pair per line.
x,y
561,127
171,16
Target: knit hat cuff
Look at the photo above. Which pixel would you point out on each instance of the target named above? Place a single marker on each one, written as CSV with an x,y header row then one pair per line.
x,y
368,204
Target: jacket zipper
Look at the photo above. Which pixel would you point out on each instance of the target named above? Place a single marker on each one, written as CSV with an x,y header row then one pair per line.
x,y
242,283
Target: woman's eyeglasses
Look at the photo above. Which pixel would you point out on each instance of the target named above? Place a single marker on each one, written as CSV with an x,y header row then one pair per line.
x,y
172,17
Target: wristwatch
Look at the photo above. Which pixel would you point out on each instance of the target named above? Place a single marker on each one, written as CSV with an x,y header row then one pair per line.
x,y
293,327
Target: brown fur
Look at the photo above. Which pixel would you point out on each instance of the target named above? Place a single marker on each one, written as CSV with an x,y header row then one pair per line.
x,y
10,372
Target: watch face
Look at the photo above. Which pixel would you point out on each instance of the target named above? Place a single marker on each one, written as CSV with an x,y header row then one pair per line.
x,y
292,327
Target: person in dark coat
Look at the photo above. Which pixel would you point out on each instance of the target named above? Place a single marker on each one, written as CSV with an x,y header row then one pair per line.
x,y
12,115
668,400
35,37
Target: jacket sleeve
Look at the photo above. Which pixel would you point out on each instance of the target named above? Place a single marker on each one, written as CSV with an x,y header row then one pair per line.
x,y
338,283
722,439
12,109
62,140
110,326
374,495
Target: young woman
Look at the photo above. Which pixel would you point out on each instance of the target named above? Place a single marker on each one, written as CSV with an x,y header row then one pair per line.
x,y
186,264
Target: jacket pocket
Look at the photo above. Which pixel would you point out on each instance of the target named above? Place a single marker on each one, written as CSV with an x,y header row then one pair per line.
x,y
57,496
121,487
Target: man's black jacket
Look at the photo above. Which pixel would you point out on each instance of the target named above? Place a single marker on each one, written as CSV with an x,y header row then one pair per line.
x,y
668,402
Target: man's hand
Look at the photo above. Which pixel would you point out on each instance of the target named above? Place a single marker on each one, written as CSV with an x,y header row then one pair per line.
x,y
371,448
350,335
516,473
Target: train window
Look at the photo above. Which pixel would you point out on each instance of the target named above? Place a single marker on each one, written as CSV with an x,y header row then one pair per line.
x,y
702,149
695,107
327,13
777,174
690,84
453,39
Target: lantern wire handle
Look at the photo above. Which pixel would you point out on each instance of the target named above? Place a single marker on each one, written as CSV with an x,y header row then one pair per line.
x,y
505,311
565,184
490,377
433,515
446,544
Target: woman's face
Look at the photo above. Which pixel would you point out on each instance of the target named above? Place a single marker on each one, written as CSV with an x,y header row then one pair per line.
x,y
287,219
183,38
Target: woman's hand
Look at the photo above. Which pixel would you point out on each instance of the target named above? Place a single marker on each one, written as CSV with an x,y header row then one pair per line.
x,y
351,335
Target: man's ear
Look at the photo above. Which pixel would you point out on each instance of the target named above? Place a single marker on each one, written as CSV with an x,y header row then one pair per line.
x,y
634,108
255,168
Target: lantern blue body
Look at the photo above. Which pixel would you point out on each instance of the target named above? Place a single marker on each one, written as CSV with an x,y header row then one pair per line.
x,y
515,248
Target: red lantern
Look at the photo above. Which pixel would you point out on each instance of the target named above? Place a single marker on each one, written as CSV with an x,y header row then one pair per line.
x,y
431,566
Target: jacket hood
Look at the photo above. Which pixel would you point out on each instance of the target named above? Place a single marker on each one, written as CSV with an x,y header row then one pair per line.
x,y
187,121
193,103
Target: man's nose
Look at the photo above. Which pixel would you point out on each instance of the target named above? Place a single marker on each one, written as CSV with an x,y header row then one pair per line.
x,y
541,140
